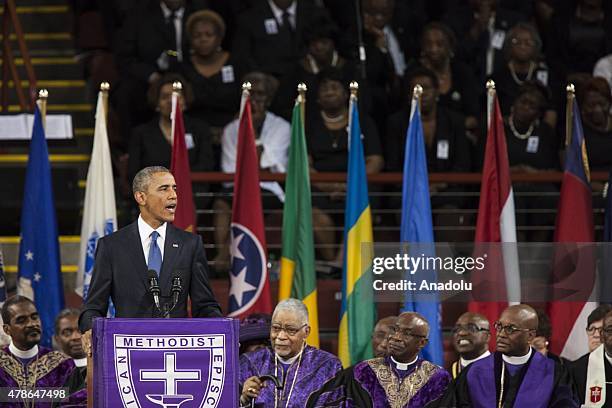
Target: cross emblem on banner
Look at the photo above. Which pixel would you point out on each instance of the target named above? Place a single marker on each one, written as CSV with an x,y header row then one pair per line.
x,y
170,375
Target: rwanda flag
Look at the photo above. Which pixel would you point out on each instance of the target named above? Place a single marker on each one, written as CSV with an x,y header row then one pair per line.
x,y
357,317
39,273
297,277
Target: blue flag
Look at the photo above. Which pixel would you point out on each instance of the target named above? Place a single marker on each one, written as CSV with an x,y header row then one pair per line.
x,y
39,275
417,227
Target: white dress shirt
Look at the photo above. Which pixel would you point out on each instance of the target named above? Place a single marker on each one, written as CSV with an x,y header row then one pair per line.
x,y
145,231
278,13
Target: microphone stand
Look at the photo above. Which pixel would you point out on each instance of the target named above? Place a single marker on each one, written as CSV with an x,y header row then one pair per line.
x,y
177,288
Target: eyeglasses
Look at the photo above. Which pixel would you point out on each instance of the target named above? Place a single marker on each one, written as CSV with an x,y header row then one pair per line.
x,y
607,330
404,332
291,331
470,327
593,329
509,329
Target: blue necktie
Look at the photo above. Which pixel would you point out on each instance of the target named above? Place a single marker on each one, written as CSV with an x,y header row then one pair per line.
x,y
155,257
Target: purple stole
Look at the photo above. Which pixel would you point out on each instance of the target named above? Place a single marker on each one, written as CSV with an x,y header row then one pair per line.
x,y
49,368
426,382
535,390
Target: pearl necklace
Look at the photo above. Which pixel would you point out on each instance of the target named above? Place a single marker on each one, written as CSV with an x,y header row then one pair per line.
x,y
521,136
333,119
532,67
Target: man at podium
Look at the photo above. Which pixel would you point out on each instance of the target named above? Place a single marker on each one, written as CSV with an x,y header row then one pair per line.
x,y
150,268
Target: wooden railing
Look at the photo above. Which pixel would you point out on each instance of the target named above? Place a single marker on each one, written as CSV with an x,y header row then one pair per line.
x,y
9,68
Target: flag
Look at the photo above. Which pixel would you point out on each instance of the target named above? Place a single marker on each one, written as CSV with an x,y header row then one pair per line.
x,y
249,286
500,279
358,313
297,276
39,275
99,208
574,224
185,216
417,227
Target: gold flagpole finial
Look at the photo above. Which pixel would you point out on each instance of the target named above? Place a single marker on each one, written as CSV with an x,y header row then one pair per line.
x,y
177,86
491,85
417,91
43,95
354,87
105,87
570,89
301,88
246,87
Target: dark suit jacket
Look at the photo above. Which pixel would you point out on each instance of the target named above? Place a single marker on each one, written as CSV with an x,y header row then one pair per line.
x,y
272,53
579,369
120,272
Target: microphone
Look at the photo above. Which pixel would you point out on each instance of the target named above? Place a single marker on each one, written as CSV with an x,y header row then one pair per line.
x,y
154,286
177,288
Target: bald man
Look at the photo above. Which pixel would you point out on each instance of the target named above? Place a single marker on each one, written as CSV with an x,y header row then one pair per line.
x,y
380,336
401,379
515,375
471,340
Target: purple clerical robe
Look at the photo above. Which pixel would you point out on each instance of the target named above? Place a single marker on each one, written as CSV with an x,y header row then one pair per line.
x,y
316,367
48,369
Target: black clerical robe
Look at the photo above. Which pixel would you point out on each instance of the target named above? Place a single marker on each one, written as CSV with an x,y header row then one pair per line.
x,y
592,392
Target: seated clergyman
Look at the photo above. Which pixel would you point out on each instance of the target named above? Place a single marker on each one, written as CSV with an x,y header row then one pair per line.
x,y
401,379
380,336
300,369
471,340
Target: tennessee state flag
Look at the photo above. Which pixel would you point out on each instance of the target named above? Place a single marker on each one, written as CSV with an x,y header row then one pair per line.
x,y
249,285
185,217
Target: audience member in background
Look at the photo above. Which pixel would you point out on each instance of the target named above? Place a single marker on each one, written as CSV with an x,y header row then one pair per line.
x,y
214,73
272,137
391,380
592,372
151,143
533,146
471,336
543,333
24,356
321,43
300,368
594,325
380,336
328,149
269,35
523,57
68,338
482,28
254,332
151,43
457,86
578,35
515,375
594,100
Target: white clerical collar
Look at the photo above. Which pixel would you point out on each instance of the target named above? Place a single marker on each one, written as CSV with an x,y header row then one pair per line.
x,y
31,353
290,360
520,360
609,358
403,366
465,362
80,362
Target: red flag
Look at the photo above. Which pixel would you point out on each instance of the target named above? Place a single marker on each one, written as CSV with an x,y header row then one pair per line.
x,y
574,266
500,279
250,289
185,216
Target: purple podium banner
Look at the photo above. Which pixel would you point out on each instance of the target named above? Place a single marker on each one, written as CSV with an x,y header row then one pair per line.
x,y
165,363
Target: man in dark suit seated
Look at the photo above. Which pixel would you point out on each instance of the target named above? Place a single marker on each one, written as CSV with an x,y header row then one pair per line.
x,y
150,243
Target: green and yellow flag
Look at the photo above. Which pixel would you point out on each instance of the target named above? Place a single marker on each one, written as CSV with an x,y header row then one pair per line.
x,y
358,313
297,276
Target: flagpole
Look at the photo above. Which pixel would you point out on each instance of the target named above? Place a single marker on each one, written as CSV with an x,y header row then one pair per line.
x,y
416,96
569,112
43,94
490,100
246,92
177,88
301,99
